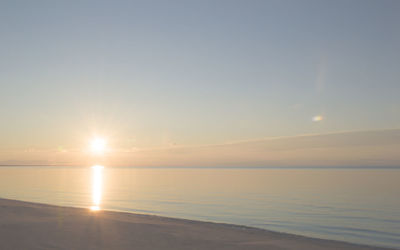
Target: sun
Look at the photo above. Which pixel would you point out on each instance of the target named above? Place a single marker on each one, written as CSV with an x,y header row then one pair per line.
x,y
98,145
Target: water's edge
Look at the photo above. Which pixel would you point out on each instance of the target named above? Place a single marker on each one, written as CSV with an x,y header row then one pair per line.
x,y
205,221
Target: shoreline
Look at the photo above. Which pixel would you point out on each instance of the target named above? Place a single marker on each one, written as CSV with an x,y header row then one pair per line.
x,y
28,225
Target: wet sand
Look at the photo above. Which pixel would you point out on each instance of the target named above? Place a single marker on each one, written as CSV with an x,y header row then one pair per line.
x,y
25,225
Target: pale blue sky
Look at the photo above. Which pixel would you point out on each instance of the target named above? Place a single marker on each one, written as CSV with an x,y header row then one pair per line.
x,y
156,73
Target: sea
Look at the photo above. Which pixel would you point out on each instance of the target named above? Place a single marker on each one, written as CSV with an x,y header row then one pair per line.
x,y
358,204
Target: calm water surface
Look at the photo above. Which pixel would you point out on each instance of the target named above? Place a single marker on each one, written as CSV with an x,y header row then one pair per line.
x,y
355,205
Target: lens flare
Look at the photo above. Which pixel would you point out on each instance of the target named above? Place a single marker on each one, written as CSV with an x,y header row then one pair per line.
x,y
317,118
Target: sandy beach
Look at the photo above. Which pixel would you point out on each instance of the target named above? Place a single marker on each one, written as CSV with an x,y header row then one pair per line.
x,y
25,225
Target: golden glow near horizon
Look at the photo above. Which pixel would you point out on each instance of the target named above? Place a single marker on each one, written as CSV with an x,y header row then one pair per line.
x,y
97,183
98,145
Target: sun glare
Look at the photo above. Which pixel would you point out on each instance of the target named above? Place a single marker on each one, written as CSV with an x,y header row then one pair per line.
x,y
95,208
98,145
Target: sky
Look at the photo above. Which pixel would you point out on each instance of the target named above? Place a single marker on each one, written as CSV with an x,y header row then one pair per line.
x,y
170,76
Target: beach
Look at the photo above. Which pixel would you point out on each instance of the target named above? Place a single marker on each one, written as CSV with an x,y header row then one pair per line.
x,y
25,225
200,125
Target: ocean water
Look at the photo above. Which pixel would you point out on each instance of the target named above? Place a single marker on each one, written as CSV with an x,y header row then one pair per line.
x,y
354,205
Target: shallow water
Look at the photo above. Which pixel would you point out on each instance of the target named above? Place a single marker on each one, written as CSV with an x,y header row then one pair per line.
x,y
355,205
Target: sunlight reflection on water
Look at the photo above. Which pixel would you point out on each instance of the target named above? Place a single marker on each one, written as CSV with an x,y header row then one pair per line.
x,y
97,185
355,205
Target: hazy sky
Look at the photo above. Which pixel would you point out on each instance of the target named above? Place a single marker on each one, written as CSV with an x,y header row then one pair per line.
x,y
156,74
